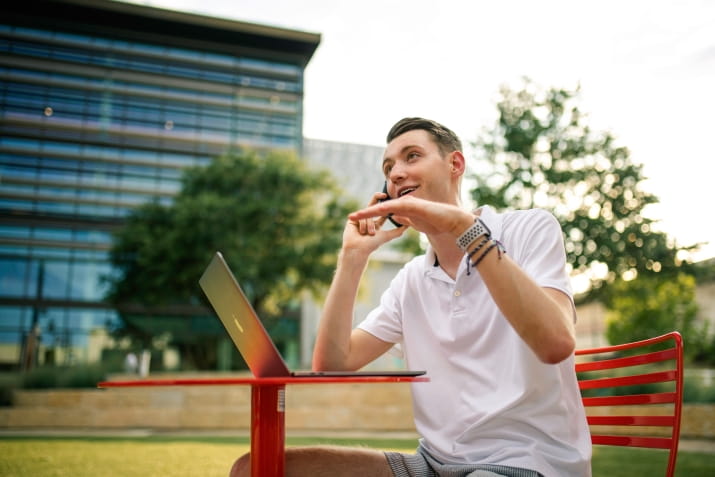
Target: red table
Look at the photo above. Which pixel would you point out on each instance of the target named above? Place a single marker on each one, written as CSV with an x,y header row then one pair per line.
x,y
267,410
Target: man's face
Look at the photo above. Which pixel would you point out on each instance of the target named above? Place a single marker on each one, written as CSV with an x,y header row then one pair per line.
x,y
413,164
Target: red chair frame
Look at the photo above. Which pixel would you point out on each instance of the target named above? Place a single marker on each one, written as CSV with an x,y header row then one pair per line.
x,y
633,402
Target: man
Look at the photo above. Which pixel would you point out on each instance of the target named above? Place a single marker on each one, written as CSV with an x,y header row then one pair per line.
x,y
487,311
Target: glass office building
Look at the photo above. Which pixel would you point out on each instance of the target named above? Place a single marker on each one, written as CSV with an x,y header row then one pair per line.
x,y
102,104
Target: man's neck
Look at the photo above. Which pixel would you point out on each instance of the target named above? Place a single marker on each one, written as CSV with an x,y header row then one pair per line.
x,y
449,256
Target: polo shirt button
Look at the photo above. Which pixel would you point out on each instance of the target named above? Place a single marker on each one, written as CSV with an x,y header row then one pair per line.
x,y
457,293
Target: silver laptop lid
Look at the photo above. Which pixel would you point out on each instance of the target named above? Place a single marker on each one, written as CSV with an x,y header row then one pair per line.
x,y
241,321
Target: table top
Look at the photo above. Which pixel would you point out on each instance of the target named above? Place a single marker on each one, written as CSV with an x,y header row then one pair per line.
x,y
253,381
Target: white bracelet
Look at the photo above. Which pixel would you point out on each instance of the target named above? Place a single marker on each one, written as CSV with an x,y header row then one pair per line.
x,y
472,233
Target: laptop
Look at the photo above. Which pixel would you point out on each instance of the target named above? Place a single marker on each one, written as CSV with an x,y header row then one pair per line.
x,y
248,333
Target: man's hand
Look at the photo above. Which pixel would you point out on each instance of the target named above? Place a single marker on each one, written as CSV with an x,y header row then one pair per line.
x,y
366,234
423,215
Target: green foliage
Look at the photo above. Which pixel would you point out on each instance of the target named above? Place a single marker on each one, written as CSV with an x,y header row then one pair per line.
x,y
410,243
694,391
277,223
542,153
8,382
51,377
649,306
701,344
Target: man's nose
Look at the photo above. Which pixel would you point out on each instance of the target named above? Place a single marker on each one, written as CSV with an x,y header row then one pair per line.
x,y
397,174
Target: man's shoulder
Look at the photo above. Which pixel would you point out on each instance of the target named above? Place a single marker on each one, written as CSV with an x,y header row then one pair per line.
x,y
528,216
535,212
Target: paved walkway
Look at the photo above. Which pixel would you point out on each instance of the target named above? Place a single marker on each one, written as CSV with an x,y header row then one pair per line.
x,y
697,445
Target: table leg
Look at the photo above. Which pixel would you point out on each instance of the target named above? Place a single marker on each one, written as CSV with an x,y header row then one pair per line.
x,y
268,430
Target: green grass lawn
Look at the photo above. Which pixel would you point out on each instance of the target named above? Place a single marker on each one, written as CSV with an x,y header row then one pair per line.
x,y
213,456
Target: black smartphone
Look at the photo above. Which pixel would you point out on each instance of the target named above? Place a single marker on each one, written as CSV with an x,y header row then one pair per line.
x,y
389,217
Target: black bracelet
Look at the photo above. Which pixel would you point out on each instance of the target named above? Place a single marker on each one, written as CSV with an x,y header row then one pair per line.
x,y
476,249
484,241
495,244
481,257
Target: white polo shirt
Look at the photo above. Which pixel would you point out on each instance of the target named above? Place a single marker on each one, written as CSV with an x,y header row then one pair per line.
x,y
490,400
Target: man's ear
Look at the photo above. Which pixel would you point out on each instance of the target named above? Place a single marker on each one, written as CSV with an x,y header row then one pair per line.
x,y
458,163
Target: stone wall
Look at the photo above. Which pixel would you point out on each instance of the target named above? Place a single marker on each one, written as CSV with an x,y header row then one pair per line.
x,y
374,407
364,407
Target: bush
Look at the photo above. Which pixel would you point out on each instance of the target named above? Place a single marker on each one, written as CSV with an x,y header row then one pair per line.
x,y
79,376
51,377
44,377
8,383
695,391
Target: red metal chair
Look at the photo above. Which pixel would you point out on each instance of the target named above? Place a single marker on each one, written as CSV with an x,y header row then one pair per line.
x,y
616,416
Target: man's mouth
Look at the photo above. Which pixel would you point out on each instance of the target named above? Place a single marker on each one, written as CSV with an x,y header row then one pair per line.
x,y
404,192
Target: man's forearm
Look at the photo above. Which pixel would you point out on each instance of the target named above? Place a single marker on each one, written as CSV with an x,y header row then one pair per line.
x,y
332,345
542,317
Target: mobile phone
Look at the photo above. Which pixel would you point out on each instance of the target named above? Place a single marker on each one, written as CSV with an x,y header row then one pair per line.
x,y
389,217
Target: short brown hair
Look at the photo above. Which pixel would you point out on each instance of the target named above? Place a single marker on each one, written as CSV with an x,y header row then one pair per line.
x,y
447,141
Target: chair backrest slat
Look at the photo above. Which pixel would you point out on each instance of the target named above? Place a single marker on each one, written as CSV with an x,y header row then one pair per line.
x,y
634,441
649,378
661,421
631,399
655,357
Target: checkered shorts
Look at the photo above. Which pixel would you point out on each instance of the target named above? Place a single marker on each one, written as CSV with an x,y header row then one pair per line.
x,y
421,464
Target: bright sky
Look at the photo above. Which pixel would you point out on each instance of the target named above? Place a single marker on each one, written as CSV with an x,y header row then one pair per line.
x,y
646,70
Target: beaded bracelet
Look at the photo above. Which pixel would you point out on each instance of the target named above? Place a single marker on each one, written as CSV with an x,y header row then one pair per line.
x,y
484,241
494,244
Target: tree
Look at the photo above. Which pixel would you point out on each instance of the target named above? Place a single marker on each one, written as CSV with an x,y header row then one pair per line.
x,y
277,223
542,153
649,306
